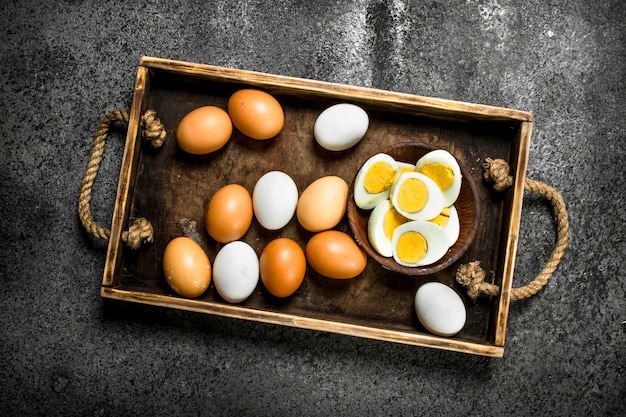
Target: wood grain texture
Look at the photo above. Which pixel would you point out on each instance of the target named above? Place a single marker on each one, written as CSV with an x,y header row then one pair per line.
x,y
172,190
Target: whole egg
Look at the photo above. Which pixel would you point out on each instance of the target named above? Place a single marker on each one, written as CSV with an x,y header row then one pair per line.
x,y
186,267
322,204
256,113
236,271
274,199
334,254
229,213
204,130
282,266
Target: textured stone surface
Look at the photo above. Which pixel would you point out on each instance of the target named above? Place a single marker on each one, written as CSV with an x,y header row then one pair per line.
x,y
64,351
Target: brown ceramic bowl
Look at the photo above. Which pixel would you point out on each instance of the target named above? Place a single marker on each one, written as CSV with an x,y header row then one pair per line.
x,y
466,206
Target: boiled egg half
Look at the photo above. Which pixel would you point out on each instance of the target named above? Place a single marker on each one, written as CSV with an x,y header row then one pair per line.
x,y
418,243
448,219
383,220
443,168
374,180
417,197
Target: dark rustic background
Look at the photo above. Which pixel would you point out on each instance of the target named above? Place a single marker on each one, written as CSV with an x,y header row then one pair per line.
x,y
64,351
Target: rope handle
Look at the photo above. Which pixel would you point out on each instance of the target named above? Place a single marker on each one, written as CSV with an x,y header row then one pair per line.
x,y
472,276
141,230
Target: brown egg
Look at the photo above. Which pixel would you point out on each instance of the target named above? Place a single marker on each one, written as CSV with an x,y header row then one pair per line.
x,y
186,267
204,130
334,254
256,113
323,203
229,214
282,266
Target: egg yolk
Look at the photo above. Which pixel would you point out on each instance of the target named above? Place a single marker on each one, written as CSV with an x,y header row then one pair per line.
x,y
442,218
411,247
404,169
379,177
413,195
441,173
392,220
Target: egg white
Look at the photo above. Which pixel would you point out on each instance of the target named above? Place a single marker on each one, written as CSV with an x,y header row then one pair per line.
x,y
436,241
444,157
434,204
453,227
362,197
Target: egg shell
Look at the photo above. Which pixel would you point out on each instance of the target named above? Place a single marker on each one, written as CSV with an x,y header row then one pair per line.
x,y
282,266
274,199
236,271
440,309
334,254
322,204
256,113
363,198
204,130
229,213
341,126
186,267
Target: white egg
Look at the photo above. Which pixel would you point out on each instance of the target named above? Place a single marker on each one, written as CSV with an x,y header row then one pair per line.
x,y
274,199
416,196
449,220
374,180
341,126
236,271
440,309
382,222
444,169
418,243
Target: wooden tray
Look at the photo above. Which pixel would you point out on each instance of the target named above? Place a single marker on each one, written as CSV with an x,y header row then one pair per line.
x,y
172,190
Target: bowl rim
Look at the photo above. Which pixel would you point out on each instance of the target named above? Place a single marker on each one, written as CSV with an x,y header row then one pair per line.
x,y
454,252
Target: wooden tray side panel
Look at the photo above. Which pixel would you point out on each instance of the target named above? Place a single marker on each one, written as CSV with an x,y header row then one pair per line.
x,y
225,310
395,101
126,181
519,165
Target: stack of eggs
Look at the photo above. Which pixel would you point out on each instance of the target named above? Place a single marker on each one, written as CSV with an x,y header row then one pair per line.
x,y
413,216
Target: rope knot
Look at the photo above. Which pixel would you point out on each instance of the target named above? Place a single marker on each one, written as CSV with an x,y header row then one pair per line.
x,y
472,276
497,172
139,232
153,129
